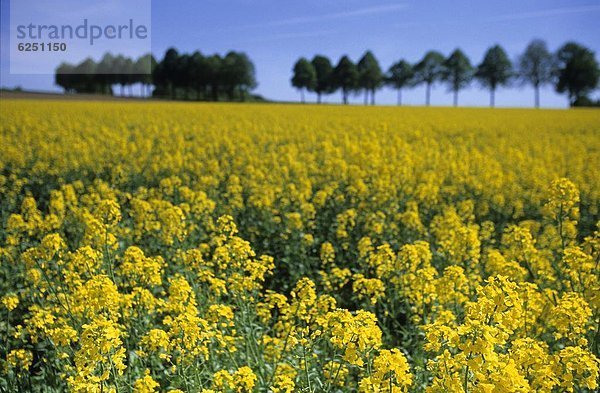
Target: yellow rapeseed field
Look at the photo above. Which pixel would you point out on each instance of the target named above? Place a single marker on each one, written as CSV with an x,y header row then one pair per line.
x,y
182,247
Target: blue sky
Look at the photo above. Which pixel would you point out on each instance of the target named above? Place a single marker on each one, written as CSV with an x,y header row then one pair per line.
x,y
276,33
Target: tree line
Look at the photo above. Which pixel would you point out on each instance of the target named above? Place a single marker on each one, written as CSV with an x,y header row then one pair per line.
x,y
177,76
572,69
99,77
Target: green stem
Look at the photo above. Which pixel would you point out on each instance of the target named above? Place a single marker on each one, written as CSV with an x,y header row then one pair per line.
x,y
560,227
114,372
466,382
109,266
332,383
285,344
306,368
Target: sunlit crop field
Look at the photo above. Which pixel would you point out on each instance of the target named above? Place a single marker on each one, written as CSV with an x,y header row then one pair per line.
x,y
170,247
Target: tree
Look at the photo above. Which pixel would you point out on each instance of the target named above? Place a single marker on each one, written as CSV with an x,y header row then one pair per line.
x,y
159,79
176,75
305,76
247,80
495,70
130,76
345,77
148,78
457,72
143,72
165,72
536,66
124,72
324,73
400,75
577,71
429,70
237,73
84,77
370,76
64,77
214,75
182,78
106,73
228,74
200,74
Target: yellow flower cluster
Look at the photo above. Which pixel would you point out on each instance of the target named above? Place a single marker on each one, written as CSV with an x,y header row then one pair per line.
x,y
181,247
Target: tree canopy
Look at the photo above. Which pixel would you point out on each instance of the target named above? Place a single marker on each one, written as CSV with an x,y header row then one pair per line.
x,y
305,76
324,73
572,69
495,70
370,77
429,70
399,76
183,76
536,67
457,72
577,71
345,77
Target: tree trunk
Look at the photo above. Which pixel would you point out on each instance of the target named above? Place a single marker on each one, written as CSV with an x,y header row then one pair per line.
x,y
455,98
572,98
372,96
399,97
318,98
492,97
344,96
366,96
427,93
302,95
537,96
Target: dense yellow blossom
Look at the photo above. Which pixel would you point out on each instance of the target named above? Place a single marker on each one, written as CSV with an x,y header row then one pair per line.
x,y
192,247
145,384
390,369
369,288
10,302
19,359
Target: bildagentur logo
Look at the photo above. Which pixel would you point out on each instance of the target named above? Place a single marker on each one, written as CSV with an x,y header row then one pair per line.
x,y
44,35
85,31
